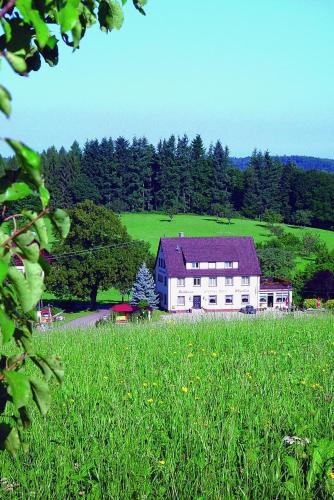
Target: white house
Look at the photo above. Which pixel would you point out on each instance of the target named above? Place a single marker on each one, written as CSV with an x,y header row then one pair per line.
x,y
214,274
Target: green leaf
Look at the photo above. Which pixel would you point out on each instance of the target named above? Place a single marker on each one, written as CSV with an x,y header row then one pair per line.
x,y
3,270
139,5
18,388
29,289
7,326
50,365
9,438
16,62
30,161
24,417
30,251
68,15
50,51
5,99
41,29
16,191
39,226
44,195
110,15
40,394
61,222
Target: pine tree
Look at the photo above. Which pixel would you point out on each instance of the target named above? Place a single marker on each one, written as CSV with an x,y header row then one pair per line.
x,y
202,177
220,164
183,161
271,176
167,175
144,288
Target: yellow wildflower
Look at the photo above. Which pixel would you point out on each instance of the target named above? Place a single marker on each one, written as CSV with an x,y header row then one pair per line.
x,y
185,389
162,462
145,384
214,354
150,400
129,395
190,344
316,386
303,382
197,398
331,474
197,378
248,375
190,355
154,384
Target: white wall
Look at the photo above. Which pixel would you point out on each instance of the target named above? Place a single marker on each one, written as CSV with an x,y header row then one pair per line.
x,y
160,286
221,290
207,265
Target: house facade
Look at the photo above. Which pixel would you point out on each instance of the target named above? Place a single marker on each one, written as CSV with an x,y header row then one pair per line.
x,y
213,274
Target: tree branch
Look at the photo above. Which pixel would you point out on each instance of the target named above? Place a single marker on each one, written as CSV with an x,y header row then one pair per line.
x,y
23,229
7,7
15,365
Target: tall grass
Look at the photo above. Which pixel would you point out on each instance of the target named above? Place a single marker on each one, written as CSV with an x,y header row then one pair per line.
x,y
181,410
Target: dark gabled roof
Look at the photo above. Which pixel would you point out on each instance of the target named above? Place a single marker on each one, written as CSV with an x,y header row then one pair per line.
x,y
178,251
275,284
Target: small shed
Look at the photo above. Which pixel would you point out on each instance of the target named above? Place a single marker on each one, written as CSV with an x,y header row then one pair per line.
x,y
124,311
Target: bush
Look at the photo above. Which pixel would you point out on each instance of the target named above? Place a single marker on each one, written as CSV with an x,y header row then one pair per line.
x,y
310,303
330,304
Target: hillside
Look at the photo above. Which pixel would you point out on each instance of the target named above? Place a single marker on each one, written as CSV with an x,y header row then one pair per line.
x,y
304,162
150,227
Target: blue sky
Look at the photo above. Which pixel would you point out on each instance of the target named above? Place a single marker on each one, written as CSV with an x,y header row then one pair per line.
x,y
254,73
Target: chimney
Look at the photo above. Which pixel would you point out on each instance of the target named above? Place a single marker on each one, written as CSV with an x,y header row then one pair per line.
x,y
181,235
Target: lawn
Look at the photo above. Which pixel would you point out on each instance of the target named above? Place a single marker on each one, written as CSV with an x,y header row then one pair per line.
x,y
183,411
151,227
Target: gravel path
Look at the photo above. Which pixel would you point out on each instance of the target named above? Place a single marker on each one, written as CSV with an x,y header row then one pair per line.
x,y
88,320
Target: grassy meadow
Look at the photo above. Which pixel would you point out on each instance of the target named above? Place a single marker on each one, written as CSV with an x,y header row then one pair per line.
x,y
183,411
151,227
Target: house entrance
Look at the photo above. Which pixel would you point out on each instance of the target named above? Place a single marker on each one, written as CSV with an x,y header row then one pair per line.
x,y
270,300
197,302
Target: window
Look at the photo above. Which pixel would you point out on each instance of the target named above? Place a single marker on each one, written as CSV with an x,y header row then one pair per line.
x,y
228,281
263,299
212,265
160,278
181,300
245,280
180,282
228,299
213,300
195,265
197,281
212,281
245,299
281,297
228,265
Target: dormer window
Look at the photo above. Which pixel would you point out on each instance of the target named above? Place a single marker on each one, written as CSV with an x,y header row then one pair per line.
x,y
212,265
195,265
228,265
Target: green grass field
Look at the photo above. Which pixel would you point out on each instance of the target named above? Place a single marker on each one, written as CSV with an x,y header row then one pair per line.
x,y
183,411
150,227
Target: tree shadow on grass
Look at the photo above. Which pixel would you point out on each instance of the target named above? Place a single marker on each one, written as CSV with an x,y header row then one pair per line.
x,y
165,220
220,222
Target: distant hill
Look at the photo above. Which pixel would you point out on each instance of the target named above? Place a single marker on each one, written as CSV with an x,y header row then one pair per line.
x,y
304,162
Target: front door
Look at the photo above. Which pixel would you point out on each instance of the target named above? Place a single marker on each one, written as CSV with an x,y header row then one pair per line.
x,y
270,300
197,302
